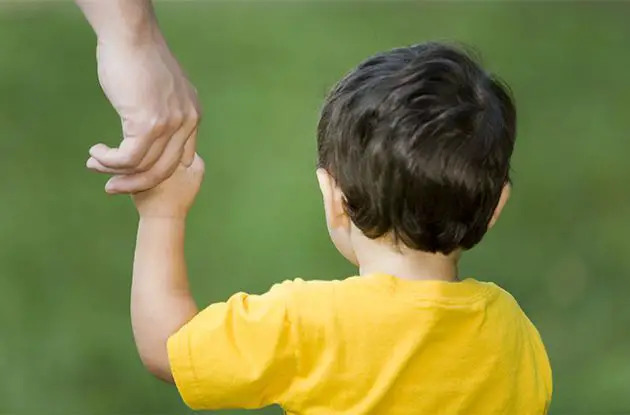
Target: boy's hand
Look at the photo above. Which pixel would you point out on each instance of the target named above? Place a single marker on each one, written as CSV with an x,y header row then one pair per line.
x,y
172,198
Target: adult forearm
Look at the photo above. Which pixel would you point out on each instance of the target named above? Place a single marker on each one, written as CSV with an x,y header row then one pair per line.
x,y
126,20
161,302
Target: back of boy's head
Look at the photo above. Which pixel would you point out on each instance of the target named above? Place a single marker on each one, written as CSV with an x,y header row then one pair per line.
x,y
419,140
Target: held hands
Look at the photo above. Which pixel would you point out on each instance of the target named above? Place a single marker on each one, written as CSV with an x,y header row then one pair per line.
x,y
158,108
172,198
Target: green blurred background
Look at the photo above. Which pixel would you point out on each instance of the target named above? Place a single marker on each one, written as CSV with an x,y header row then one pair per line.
x,y
262,70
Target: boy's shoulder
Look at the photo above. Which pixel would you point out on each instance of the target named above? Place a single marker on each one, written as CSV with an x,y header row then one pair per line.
x,y
318,296
299,286
321,304
390,284
381,290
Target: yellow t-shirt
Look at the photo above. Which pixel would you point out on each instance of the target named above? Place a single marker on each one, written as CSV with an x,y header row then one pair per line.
x,y
365,345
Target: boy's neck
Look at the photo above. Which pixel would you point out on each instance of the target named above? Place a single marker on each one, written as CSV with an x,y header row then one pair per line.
x,y
381,257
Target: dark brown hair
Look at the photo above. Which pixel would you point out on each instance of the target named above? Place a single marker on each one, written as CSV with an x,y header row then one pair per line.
x,y
419,140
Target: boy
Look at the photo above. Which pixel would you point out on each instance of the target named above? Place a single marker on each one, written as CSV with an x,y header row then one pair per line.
x,y
414,148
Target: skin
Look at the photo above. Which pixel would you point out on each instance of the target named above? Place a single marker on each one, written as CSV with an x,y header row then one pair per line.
x,y
161,302
157,104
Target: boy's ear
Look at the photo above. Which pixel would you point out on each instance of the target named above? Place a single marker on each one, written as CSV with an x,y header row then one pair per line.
x,y
333,200
505,195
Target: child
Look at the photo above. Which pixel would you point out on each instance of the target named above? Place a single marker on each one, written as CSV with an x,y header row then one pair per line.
x,y
414,153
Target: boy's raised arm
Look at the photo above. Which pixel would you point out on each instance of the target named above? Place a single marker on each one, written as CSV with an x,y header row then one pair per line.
x,y
161,302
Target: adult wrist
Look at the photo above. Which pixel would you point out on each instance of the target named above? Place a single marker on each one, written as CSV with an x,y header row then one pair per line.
x,y
122,21
134,34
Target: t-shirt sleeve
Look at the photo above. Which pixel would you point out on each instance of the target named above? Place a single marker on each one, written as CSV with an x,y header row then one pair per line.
x,y
239,353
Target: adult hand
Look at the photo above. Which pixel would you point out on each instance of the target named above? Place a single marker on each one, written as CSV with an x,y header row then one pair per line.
x,y
159,111
145,84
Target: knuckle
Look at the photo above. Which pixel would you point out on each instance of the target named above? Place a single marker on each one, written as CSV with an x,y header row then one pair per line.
x,y
160,126
156,124
195,115
176,119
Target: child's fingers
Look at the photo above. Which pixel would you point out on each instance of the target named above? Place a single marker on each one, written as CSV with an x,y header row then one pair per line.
x,y
198,166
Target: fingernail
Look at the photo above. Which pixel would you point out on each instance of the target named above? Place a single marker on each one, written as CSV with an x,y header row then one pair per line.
x,y
109,187
91,163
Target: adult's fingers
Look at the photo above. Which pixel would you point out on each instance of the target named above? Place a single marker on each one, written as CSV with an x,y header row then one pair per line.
x,y
188,123
156,149
190,148
139,182
132,149
160,171
153,155
94,165
126,156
